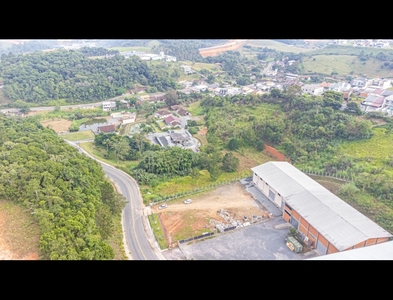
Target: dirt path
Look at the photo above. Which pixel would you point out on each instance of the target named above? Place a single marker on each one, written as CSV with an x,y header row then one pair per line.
x,y
185,220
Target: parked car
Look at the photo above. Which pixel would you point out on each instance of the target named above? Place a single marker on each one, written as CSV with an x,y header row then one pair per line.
x,y
162,206
188,201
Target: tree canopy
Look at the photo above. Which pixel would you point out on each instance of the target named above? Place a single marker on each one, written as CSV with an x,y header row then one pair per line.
x,y
65,191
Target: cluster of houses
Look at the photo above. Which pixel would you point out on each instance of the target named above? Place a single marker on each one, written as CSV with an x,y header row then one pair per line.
x,y
169,118
364,43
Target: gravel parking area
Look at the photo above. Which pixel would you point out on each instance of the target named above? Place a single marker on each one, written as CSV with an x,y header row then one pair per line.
x,y
257,242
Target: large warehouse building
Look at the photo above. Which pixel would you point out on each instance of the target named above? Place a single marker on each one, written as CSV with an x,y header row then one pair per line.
x,y
326,221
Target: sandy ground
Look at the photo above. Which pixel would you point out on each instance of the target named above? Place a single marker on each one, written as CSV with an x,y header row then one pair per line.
x,y
233,198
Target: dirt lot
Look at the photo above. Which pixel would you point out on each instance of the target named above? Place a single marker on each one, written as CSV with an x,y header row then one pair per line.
x,y
60,125
181,220
19,237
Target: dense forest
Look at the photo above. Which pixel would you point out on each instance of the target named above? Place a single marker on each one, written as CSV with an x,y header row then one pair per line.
x,y
65,191
71,75
185,49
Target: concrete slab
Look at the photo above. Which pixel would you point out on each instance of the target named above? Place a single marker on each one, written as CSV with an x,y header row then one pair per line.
x,y
256,242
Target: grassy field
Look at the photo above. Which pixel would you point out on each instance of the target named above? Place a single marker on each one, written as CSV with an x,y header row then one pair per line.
x,y
199,66
344,65
349,50
379,147
78,136
157,231
276,46
195,109
116,240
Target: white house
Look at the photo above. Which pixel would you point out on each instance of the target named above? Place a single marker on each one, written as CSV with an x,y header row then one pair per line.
x,y
108,105
187,69
312,89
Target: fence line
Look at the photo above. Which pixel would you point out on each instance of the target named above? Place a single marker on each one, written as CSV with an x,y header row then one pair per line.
x,y
195,191
330,175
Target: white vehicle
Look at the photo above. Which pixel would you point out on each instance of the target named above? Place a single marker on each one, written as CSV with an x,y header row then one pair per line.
x,y
188,201
162,206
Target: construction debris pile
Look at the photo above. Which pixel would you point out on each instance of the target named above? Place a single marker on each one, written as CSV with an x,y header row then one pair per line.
x,y
231,223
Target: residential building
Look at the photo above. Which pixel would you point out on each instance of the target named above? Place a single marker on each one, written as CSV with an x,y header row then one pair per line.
x,y
172,121
380,83
107,128
360,82
187,69
108,105
312,89
162,114
183,112
340,87
325,85
324,220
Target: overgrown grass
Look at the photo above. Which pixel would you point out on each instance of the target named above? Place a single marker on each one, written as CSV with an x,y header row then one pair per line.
x,y
157,231
116,240
379,147
344,65
101,155
199,66
195,108
276,46
78,136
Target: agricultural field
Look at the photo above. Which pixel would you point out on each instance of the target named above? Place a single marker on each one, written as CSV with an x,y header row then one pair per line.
x,y
276,46
344,65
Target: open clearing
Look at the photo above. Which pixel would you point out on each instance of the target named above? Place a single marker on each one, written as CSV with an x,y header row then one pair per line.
x,y
181,221
19,233
344,65
276,46
59,125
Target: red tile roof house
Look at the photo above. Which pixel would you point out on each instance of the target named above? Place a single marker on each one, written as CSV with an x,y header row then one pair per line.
x,y
107,128
162,113
172,120
183,112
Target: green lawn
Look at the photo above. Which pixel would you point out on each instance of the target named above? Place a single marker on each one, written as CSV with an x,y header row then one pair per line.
x,y
276,46
80,135
195,109
344,65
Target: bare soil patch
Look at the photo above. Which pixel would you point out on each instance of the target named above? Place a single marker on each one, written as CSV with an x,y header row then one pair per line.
x,y
19,234
59,125
181,220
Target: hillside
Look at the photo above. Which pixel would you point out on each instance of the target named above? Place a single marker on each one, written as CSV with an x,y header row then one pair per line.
x,y
346,65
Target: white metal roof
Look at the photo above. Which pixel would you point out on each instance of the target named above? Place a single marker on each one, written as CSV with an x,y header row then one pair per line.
x,y
336,220
382,251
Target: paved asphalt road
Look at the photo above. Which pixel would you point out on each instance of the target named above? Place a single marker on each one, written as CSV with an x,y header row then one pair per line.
x,y
135,234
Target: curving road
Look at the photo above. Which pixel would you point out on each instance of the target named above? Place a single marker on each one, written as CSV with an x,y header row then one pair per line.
x,y
133,217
